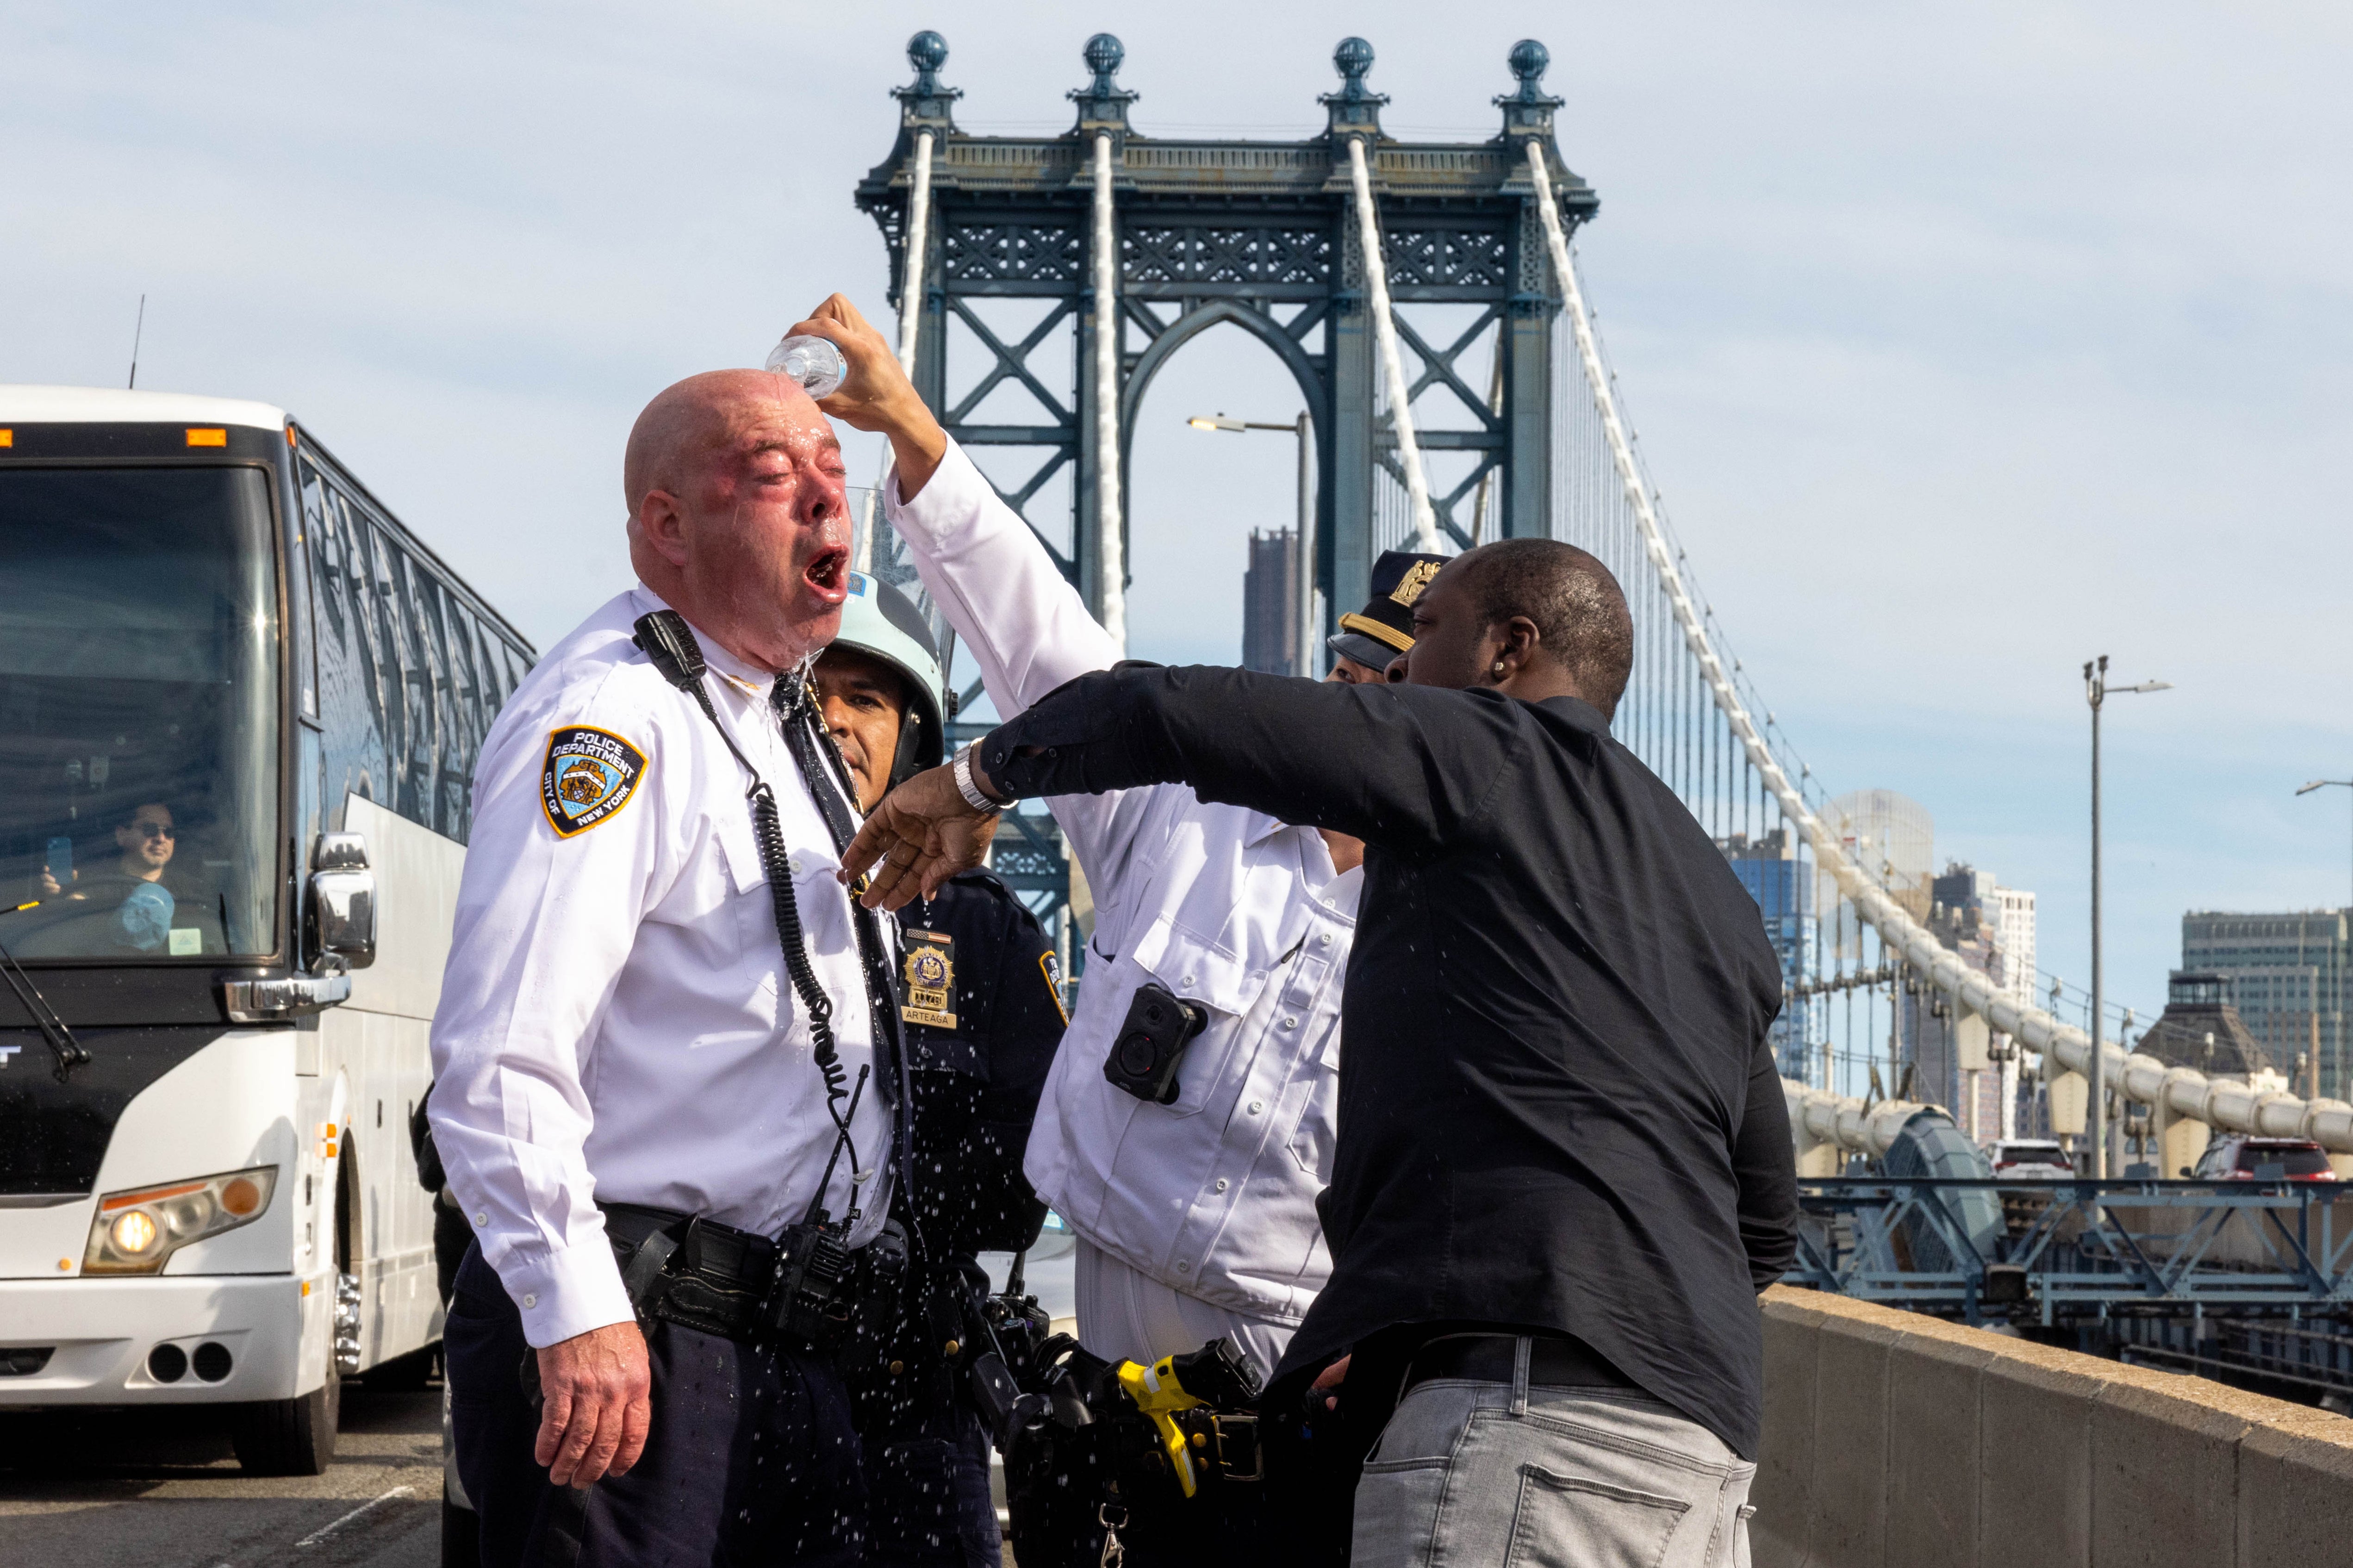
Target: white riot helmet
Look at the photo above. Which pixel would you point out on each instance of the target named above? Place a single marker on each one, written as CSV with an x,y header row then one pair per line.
x,y
882,623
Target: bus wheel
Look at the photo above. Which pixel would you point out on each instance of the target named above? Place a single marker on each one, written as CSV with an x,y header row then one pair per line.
x,y
288,1436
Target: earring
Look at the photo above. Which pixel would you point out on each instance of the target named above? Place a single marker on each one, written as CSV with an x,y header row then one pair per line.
x,y
1499,666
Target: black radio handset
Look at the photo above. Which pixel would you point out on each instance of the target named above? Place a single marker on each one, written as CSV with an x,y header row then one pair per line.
x,y
670,642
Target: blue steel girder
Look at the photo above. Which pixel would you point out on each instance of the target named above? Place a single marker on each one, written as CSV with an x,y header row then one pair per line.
x,y
1011,364
1438,368
1441,506
2081,1251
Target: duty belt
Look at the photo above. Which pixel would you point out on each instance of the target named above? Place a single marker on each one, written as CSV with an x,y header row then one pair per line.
x,y
678,1268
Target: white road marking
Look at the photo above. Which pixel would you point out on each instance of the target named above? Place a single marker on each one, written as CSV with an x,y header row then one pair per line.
x,y
324,1532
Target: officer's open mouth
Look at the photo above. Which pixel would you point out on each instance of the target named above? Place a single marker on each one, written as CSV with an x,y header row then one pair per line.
x,y
829,575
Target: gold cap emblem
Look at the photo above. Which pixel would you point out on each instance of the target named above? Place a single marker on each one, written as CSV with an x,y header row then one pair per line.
x,y
1416,579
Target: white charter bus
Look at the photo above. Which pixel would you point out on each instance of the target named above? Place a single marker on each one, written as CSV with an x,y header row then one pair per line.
x,y
239,711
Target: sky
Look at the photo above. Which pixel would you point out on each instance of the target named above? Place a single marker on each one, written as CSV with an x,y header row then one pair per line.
x,y
1965,342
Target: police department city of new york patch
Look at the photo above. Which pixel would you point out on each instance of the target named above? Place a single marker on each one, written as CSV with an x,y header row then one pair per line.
x,y
930,989
590,775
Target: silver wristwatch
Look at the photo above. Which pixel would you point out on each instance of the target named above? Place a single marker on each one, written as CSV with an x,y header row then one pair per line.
x,y
972,795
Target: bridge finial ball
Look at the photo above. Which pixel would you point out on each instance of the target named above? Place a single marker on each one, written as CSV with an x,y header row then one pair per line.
x,y
927,51
1352,59
1529,60
1104,54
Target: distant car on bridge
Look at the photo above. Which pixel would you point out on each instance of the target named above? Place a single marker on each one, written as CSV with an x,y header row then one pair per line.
x,y
2029,1160
2238,1158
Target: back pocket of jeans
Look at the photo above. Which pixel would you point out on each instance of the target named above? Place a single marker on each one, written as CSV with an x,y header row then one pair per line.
x,y
1568,1522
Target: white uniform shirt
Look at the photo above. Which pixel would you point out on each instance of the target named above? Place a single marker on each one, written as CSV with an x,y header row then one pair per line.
x,y
615,1020
1214,1195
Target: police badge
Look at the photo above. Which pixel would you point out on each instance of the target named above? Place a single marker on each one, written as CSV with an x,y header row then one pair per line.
x,y
590,775
930,987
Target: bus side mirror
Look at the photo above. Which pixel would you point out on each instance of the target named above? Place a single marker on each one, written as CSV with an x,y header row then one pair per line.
x,y
342,898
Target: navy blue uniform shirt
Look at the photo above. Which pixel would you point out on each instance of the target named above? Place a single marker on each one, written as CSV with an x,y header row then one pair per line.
x,y
980,1037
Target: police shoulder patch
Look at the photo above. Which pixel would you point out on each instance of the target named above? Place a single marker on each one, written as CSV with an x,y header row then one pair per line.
x,y
590,775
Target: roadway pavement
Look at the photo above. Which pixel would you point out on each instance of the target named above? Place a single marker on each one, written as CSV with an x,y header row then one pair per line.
x,y
161,1489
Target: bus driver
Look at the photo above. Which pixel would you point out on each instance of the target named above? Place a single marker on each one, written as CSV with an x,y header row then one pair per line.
x,y
134,886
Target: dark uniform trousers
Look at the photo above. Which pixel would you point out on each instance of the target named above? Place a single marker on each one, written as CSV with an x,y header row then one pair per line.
x,y
926,1455
981,1034
750,1457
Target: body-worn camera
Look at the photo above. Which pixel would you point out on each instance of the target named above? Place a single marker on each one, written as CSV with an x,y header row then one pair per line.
x,y
1151,1042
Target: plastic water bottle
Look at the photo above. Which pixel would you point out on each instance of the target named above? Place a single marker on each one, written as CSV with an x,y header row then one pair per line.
x,y
813,362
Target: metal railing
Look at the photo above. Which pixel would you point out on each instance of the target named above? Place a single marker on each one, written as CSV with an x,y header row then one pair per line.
x,y
2082,1249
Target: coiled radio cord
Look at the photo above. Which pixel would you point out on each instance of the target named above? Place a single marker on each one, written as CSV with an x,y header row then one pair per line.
x,y
670,643
768,837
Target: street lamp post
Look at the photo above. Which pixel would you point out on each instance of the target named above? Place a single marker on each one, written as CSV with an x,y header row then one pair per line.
x,y
2097,690
1304,656
2324,784
2308,789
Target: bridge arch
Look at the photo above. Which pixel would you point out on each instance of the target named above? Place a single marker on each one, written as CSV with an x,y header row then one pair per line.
x,y
1260,324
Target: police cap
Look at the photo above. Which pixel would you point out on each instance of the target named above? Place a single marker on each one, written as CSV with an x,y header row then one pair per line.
x,y
1384,627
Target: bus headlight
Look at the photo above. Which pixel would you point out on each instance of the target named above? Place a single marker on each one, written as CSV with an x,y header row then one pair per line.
x,y
133,1232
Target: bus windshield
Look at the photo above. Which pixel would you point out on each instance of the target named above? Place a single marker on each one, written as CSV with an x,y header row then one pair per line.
x,y
138,713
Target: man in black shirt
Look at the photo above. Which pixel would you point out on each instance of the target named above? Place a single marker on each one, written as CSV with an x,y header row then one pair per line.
x,y
1563,1167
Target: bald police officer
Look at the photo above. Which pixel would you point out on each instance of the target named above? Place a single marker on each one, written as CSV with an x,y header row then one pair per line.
x,y
981,999
665,1048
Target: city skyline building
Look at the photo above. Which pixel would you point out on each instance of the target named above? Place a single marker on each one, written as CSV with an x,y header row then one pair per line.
x,y
1271,602
1991,928
1783,887
2014,922
2201,1028
2288,974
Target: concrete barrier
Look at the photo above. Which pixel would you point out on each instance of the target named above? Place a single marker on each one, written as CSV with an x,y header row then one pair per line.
x,y
1894,1440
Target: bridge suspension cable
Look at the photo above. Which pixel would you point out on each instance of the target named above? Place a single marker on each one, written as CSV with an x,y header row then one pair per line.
x,y
1114,555
910,321
1670,735
919,232
1401,402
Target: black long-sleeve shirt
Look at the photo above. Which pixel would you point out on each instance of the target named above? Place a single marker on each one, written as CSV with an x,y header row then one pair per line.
x,y
1556,1110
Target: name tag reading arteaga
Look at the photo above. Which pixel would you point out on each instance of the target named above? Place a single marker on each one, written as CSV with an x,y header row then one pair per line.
x,y
930,987
591,773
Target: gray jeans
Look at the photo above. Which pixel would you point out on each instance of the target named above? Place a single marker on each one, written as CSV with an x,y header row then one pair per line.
x,y
1501,1475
